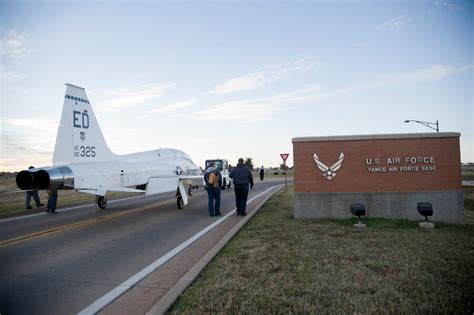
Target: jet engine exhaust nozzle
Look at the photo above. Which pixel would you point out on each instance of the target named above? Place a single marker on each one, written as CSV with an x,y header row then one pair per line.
x,y
46,178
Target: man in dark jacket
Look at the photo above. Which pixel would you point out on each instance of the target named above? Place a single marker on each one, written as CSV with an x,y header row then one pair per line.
x,y
213,179
242,177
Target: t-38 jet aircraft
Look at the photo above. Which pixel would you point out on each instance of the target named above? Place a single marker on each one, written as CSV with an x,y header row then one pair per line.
x,y
83,161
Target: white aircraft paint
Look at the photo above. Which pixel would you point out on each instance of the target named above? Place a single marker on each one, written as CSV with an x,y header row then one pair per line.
x,y
83,161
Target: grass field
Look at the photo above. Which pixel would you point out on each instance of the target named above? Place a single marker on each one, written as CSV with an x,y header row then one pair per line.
x,y
469,198
467,172
276,264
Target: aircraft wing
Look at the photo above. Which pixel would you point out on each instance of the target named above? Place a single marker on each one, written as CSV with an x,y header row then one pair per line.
x,y
155,185
101,191
158,185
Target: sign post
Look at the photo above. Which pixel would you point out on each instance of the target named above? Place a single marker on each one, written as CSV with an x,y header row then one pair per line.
x,y
284,156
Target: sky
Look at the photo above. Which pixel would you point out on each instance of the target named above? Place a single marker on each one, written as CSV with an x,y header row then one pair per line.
x,y
233,79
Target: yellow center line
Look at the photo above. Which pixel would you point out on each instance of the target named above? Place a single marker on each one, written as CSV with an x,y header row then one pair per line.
x,y
58,229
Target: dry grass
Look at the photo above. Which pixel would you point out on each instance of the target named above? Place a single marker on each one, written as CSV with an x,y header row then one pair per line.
x,y
467,172
469,198
469,205
279,265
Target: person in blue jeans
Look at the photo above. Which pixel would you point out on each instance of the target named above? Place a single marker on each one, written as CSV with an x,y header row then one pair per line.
x,y
213,179
34,194
242,178
52,201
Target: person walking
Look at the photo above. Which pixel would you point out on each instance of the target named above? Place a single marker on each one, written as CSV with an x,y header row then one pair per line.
x,y
261,172
242,177
34,194
52,201
213,179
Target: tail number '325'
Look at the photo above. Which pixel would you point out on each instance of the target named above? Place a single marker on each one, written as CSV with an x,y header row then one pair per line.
x,y
84,151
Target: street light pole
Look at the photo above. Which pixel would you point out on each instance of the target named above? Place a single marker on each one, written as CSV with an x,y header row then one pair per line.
x,y
426,123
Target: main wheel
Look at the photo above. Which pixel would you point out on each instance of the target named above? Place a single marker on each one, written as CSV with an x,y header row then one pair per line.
x,y
180,202
230,184
223,185
190,190
102,202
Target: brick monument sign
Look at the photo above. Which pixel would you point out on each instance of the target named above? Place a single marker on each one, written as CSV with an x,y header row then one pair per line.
x,y
389,174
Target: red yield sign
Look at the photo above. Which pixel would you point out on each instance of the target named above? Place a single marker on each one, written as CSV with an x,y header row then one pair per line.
x,y
284,156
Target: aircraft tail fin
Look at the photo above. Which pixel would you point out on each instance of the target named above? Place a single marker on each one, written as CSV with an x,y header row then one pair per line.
x,y
79,138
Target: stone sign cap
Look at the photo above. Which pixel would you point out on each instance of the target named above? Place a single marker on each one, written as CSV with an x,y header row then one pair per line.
x,y
379,136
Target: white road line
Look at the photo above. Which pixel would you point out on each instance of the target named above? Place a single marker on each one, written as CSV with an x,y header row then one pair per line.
x,y
125,286
69,209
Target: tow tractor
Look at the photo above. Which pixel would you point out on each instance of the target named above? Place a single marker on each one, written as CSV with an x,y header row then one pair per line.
x,y
223,166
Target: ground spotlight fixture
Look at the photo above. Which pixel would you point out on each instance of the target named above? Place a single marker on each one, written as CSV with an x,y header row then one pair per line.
x,y
426,123
358,210
425,209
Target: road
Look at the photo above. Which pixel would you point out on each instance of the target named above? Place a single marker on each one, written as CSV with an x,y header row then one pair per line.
x,y
62,263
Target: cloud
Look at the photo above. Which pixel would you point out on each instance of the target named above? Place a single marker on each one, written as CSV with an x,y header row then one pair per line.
x,y
245,110
449,5
125,98
433,73
394,24
13,46
302,64
258,109
31,123
172,107
429,74
245,82
254,80
423,75
296,95
467,68
252,110
20,152
10,77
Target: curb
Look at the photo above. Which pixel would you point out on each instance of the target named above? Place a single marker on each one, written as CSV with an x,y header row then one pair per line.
x,y
168,299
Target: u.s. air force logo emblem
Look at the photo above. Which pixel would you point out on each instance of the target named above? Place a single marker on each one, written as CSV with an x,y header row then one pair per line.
x,y
329,172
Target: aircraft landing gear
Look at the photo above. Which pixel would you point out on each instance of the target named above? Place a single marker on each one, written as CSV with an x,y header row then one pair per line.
x,y
224,184
180,202
101,201
181,195
190,189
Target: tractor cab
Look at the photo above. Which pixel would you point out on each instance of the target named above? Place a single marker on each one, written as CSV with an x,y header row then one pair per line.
x,y
223,166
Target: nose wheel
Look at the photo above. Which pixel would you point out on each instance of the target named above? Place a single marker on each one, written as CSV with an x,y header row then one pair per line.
x,y
191,188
